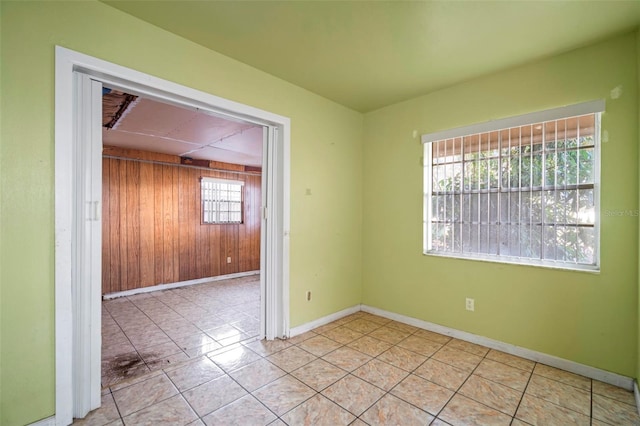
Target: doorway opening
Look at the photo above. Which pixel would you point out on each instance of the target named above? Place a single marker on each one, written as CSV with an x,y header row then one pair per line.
x,y
181,219
78,214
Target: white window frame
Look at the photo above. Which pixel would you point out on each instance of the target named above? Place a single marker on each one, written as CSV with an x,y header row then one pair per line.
x,y
203,191
592,107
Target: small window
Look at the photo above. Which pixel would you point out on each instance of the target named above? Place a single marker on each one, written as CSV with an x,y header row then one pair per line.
x,y
526,193
222,200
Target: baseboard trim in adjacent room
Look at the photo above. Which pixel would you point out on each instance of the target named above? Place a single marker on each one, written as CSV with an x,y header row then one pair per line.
x,y
551,360
177,285
322,321
49,421
636,393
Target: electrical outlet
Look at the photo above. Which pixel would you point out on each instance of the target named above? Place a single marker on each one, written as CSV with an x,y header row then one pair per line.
x,y
308,296
470,304
228,259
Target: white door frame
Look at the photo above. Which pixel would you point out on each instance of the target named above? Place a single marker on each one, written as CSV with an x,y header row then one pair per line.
x,y
68,164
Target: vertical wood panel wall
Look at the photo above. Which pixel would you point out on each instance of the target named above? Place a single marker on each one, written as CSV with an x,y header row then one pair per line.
x,y
153,231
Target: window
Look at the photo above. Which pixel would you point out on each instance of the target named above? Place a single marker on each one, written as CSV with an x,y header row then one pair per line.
x,y
521,190
221,200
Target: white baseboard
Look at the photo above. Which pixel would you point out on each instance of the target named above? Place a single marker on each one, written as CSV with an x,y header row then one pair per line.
x,y
176,285
322,321
49,421
553,361
636,393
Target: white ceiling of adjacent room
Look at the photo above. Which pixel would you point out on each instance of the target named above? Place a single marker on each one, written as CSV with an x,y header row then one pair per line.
x,y
154,126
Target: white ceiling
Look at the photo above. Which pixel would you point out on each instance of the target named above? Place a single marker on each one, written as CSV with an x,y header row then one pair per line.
x,y
153,126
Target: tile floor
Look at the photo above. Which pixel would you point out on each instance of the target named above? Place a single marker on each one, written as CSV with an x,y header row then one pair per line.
x,y
363,369
150,331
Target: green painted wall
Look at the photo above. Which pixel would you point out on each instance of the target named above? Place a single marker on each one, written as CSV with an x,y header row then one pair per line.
x,y
326,153
585,317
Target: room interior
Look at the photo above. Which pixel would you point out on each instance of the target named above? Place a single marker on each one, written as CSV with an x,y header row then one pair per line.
x,y
367,80
155,238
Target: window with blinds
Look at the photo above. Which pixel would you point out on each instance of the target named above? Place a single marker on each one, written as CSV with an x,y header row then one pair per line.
x,y
526,193
221,200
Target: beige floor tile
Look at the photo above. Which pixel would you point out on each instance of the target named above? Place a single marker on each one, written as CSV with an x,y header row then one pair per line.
x,y
419,345
464,411
402,358
563,376
318,411
468,347
203,350
613,392
539,412
343,335
516,422
291,358
393,411
319,345
283,394
614,412
353,394
168,361
389,335
192,341
132,381
160,351
257,374
324,328
143,394
358,422
122,368
107,413
363,326
196,423
223,332
402,326
244,411
194,373
433,336
214,394
346,358
235,358
268,347
492,394
278,422
423,394
505,375
380,374
113,349
560,394
319,374
148,338
511,360
439,422
442,374
301,337
369,345
460,359
374,318
173,411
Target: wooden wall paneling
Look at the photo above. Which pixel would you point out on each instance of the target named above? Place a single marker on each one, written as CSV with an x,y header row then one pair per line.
x,y
113,217
183,233
153,232
175,223
159,256
106,271
124,226
168,238
133,224
147,225
200,246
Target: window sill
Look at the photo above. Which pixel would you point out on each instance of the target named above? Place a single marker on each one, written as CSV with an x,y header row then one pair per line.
x,y
592,269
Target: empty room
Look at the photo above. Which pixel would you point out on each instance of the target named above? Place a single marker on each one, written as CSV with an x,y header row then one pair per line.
x,y
321,213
